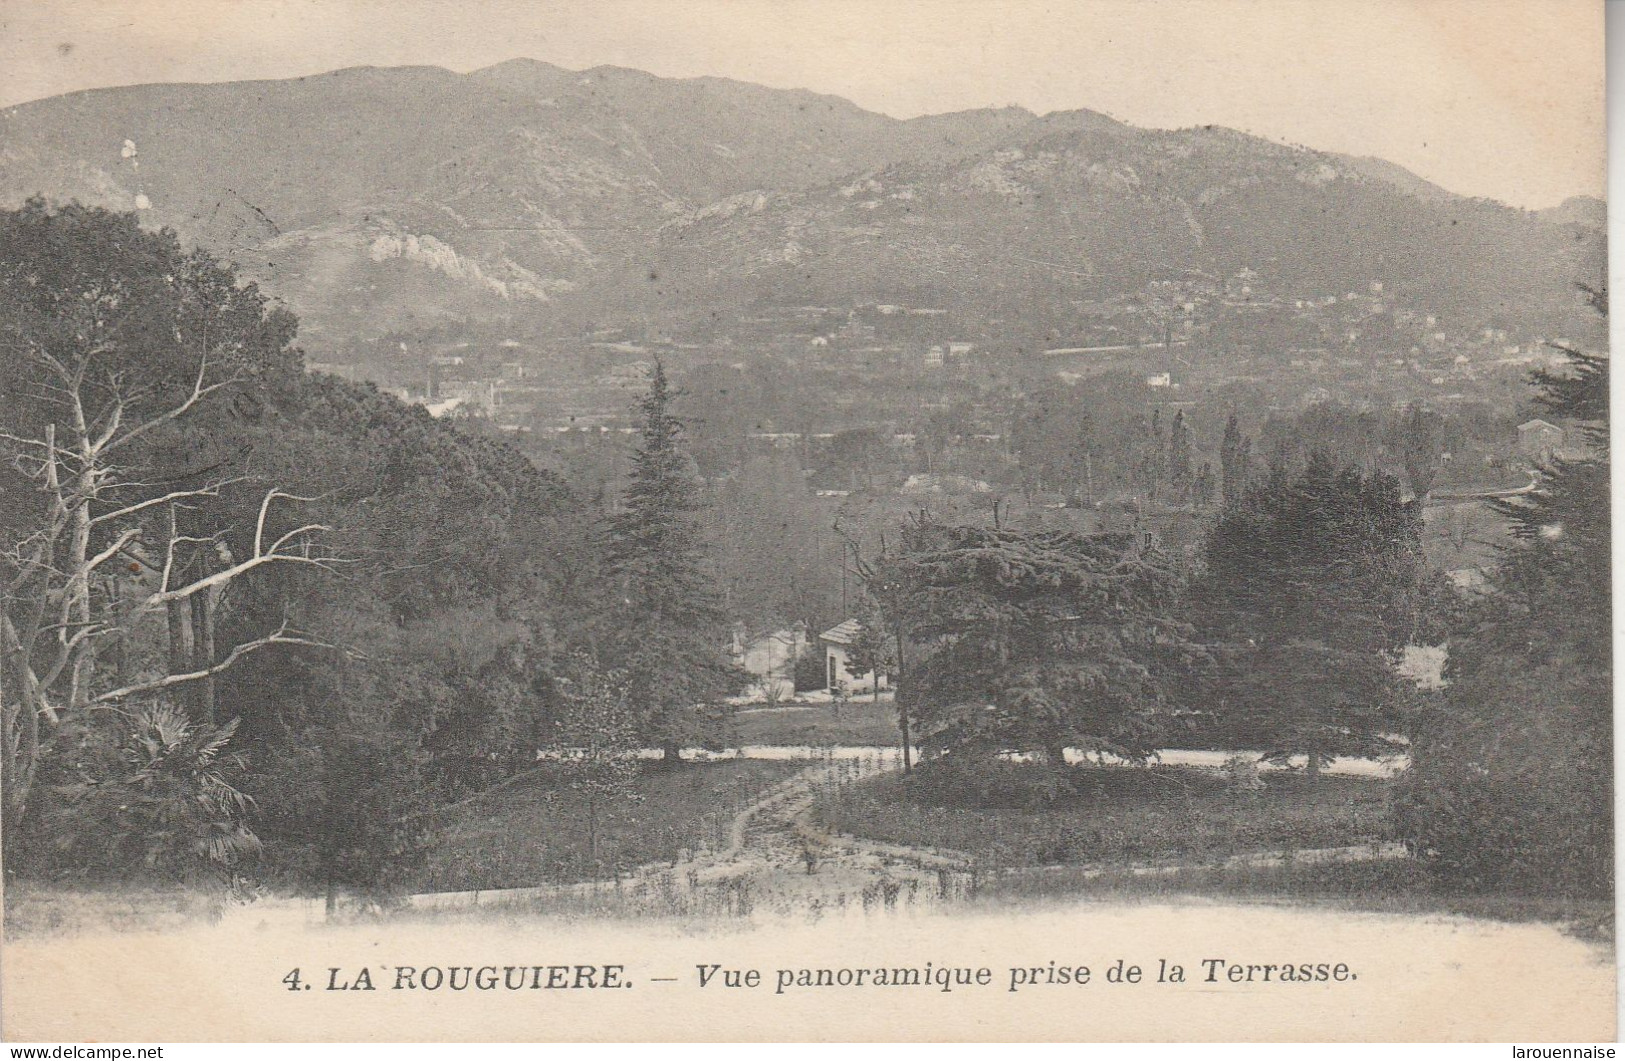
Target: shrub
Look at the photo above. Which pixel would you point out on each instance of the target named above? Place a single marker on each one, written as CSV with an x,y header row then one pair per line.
x,y
1240,773
156,798
1523,802
345,808
810,673
984,781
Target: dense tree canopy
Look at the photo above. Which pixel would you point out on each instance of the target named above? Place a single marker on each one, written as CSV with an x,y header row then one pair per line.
x,y
354,599
1311,584
1035,641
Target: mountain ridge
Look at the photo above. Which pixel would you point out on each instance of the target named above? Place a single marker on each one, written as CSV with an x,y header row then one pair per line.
x,y
376,197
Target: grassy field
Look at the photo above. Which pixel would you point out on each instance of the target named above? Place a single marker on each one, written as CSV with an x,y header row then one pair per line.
x,y
534,832
1180,816
859,722
1114,815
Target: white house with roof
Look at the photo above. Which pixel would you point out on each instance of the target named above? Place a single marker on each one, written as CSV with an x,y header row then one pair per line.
x,y
1539,440
838,677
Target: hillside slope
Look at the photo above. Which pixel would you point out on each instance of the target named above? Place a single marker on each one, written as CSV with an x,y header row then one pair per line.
x,y
378,198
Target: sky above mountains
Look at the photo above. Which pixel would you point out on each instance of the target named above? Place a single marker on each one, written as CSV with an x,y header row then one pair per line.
x,y
1495,98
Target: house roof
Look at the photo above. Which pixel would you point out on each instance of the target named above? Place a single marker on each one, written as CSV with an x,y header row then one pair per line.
x,y
842,633
1530,425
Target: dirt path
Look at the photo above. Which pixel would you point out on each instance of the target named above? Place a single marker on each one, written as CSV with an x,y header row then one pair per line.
x,y
785,860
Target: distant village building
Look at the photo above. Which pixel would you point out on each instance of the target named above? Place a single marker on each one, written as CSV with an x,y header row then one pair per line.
x,y
1161,379
1239,285
838,678
933,483
451,408
1538,440
1468,579
335,368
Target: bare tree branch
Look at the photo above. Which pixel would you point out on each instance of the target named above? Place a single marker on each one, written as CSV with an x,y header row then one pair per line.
x,y
112,550
65,656
169,552
261,556
38,442
212,490
227,574
114,418
199,392
278,638
265,507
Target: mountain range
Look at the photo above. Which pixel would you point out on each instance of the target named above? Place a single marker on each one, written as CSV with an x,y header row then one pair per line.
x,y
377,198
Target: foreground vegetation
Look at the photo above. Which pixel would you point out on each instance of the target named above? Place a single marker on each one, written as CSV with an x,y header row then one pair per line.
x,y
34,908
540,829
1392,886
856,723
1107,815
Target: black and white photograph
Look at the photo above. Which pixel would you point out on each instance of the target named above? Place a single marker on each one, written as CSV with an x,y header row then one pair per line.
x,y
805,520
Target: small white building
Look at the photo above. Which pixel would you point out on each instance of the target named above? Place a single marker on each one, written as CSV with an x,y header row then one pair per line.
x,y
1539,440
838,678
770,660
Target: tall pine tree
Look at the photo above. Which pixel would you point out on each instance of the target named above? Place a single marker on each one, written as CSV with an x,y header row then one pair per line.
x,y
668,632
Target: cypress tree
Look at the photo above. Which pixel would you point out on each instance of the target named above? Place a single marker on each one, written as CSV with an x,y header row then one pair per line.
x,y
1235,462
1180,469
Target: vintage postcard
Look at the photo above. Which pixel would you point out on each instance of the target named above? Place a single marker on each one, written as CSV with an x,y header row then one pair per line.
x,y
655,520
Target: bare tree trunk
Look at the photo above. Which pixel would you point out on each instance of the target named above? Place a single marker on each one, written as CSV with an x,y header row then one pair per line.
x,y
180,636
203,654
81,670
121,630
180,630
671,754
1312,765
21,704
